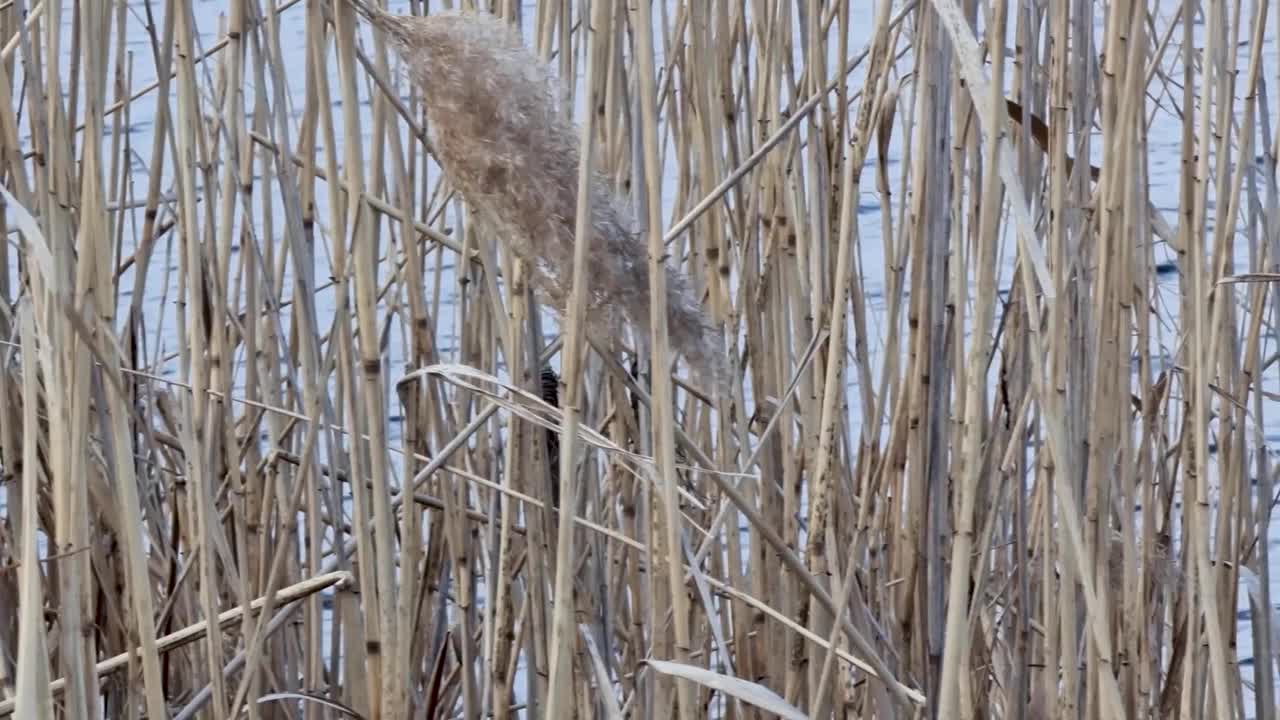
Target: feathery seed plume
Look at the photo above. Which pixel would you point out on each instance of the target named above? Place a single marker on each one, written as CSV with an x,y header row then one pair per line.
x,y
509,150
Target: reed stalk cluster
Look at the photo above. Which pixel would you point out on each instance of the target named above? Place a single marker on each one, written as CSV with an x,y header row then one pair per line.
x,y
648,359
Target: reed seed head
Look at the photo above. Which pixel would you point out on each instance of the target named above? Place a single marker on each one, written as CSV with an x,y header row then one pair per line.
x,y
512,152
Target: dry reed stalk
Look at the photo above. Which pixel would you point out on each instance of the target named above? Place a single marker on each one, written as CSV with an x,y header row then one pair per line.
x,y
562,635
33,697
662,410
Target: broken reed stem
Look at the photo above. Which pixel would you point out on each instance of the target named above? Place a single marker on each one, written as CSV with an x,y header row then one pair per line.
x,y
1003,419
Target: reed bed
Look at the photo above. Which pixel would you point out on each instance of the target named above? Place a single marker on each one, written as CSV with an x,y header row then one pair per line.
x,y
658,359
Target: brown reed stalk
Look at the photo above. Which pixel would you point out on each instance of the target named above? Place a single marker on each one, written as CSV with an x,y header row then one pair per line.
x,y
662,413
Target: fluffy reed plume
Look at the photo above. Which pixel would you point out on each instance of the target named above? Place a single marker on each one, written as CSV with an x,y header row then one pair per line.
x,y
504,141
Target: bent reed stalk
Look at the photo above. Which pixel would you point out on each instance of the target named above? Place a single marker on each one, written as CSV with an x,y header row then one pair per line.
x,y
918,359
